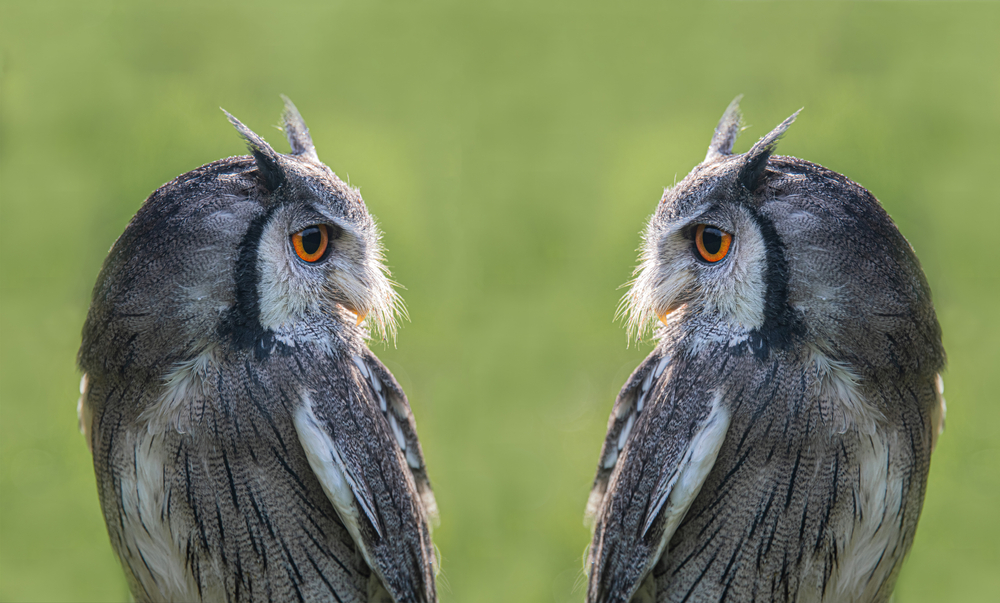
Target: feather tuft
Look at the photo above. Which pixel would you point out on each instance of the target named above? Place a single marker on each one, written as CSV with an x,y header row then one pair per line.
x,y
755,160
297,132
268,160
726,132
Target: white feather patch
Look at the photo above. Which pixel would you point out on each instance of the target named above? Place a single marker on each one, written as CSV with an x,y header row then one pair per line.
x,y
83,413
661,366
647,382
326,462
374,381
397,431
874,545
182,386
845,406
686,482
412,460
360,363
623,436
610,459
155,555
938,413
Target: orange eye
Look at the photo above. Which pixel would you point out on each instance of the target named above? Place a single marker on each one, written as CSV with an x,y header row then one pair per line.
x,y
311,243
712,243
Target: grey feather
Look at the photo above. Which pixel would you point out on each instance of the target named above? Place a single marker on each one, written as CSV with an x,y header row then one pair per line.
x,y
726,132
207,337
296,131
817,333
626,407
267,159
755,160
628,534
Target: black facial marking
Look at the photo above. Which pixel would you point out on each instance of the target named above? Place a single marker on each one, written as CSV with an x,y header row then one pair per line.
x,y
268,343
781,323
242,323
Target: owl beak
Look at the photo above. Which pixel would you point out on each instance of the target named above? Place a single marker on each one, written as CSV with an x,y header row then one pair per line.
x,y
662,314
361,315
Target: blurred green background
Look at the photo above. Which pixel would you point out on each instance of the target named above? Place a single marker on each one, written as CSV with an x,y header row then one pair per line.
x,y
512,153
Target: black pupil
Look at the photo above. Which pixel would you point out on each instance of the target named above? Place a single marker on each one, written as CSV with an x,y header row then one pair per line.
x,y
312,238
711,238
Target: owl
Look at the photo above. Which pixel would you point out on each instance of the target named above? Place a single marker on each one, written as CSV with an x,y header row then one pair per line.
x,y
775,444
247,445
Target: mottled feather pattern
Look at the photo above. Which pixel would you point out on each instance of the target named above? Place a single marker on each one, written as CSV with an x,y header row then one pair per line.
x,y
369,447
817,335
783,473
396,408
778,509
629,404
208,337
247,444
625,541
225,489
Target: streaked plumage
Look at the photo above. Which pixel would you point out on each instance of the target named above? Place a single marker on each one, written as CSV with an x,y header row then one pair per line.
x,y
775,444
247,444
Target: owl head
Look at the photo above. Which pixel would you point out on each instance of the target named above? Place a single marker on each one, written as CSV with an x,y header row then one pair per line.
x,y
251,251
761,253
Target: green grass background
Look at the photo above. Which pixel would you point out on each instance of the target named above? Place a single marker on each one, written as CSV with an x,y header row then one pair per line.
x,y
512,152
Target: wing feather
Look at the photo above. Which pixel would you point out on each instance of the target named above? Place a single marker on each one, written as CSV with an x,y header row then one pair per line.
x,y
342,487
628,405
359,437
397,410
664,443
683,485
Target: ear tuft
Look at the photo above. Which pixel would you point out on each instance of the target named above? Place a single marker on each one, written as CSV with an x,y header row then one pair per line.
x,y
268,160
297,132
755,160
726,132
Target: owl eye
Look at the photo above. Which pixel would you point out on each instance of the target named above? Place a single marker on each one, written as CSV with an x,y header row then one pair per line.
x,y
712,244
311,243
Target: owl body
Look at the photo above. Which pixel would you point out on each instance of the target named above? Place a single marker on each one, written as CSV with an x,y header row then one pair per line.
x,y
775,445
247,445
